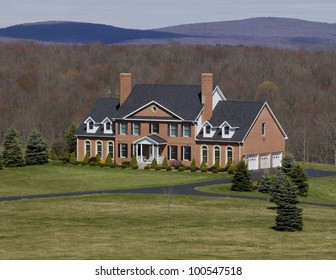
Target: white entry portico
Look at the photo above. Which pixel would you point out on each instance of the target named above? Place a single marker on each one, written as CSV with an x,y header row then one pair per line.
x,y
147,148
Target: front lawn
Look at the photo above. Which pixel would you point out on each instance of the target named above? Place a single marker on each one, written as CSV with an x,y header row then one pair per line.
x,y
57,177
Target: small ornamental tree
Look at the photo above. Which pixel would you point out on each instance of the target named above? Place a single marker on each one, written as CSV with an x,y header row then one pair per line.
x,y
73,158
165,163
287,164
86,159
299,179
71,140
37,149
154,164
12,155
134,162
242,178
284,195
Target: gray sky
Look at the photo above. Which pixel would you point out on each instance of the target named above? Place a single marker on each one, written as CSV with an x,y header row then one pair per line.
x,y
146,14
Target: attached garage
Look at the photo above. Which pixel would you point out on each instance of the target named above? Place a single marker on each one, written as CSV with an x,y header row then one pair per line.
x,y
252,162
276,159
265,161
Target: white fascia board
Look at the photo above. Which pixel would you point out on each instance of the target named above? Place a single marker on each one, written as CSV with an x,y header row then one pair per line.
x,y
145,140
107,120
151,103
276,120
89,119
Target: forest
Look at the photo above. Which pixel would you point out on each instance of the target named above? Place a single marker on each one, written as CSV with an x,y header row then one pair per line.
x,y
50,86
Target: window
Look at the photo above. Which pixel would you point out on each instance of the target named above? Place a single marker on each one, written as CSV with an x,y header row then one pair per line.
x,y
173,130
172,152
99,148
217,155
186,130
263,129
108,126
229,154
207,129
88,148
123,150
186,152
123,128
90,125
154,128
136,129
110,148
226,130
205,154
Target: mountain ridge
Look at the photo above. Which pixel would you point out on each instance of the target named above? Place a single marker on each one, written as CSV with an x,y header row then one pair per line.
x,y
262,31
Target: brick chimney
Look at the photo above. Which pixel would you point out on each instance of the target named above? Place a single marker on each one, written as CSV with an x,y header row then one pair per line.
x,y
125,87
207,88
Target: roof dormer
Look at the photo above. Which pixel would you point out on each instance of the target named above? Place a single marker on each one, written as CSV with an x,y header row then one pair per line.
x,y
208,129
227,130
108,126
91,125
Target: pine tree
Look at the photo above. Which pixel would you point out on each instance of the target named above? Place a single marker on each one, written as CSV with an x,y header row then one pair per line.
x,y
299,179
12,154
71,140
287,164
242,178
37,149
264,184
284,195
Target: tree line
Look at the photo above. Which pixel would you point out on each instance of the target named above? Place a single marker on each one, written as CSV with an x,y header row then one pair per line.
x,y
49,86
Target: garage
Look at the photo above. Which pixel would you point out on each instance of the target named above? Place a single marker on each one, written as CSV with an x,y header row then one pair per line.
x,y
252,162
276,159
265,161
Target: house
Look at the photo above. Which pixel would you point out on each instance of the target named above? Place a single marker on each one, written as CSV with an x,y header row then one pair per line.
x,y
181,123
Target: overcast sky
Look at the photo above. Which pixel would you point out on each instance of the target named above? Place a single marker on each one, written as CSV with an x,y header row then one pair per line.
x,y
146,14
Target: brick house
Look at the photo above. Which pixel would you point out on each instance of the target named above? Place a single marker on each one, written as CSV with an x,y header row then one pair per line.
x,y
181,123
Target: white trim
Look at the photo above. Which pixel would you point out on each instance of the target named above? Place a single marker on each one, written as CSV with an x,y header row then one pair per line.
x,y
216,100
147,141
151,103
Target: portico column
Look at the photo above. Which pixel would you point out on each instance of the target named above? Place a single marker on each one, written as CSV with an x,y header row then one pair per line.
x,y
141,158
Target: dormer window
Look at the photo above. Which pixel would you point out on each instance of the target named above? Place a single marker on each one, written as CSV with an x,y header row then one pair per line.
x,y
91,125
108,126
226,130
207,129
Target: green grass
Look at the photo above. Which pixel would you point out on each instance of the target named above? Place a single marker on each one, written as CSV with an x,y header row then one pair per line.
x,y
137,227
58,177
318,166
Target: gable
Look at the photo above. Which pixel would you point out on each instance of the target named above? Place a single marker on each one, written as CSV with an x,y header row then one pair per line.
x,y
154,110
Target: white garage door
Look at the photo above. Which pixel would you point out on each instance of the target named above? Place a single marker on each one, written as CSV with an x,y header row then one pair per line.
x,y
252,162
276,159
265,161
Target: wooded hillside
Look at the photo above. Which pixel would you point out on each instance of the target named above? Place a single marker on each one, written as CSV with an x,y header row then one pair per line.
x,y
50,86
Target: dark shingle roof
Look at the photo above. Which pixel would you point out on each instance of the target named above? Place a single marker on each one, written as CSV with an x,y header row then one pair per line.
x,y
239,114
182,100
104,108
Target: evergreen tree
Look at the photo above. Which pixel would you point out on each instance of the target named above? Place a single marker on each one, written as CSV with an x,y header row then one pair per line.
x,y
193,166
284,195
264,183
288,163
36,151
299,179
12,154
204,166
108,160
73,158
134,162
165,163
71,140
242,178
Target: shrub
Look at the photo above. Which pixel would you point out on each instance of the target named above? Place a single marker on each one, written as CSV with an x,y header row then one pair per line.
x,y
52,155
299,179
98,158
204,167
175,164
73,158
154,163
114,165
92,163
1,164
181,168
157,168
165,163
108,160
232,169
193,165
228,164
215,170
92,159
86,159
147,167
134,162
169,168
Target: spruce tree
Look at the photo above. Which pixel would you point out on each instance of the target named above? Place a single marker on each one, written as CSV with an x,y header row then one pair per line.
x,y
37,149
299,179
12,154
71,140
242,178
284,195
287,164
264,183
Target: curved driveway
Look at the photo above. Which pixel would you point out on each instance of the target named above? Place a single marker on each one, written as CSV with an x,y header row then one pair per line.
x,y
186,189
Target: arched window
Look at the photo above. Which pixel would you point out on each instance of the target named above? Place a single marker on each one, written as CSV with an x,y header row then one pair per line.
x,y
229,154
88,148
110,149
99,148
204,155
217,155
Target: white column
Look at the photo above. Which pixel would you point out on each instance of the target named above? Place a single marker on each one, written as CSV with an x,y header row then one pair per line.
x,y
141,160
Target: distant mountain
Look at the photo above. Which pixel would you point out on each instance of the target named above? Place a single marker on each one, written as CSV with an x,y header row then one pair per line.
x,y
81,33
268,32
